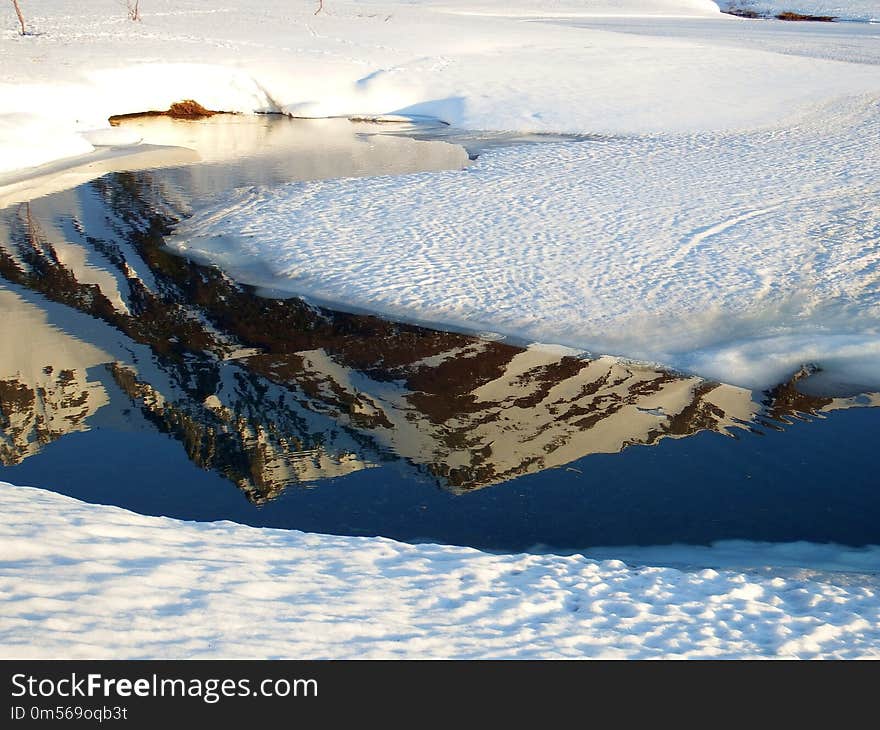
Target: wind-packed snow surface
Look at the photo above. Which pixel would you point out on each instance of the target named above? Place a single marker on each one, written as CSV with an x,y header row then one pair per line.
x,y
84,581
461,62
739,257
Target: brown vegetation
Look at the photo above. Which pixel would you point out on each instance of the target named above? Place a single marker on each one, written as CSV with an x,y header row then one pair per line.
x,y
751,13
186,109
799,16
189,109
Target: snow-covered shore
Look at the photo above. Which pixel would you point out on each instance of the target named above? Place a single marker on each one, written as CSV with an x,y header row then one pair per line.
x,y
858,10
737,257
725,178
755,154
85,581
462,63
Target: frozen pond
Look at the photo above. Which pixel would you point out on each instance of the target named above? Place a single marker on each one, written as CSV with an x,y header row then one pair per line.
x,y
134,377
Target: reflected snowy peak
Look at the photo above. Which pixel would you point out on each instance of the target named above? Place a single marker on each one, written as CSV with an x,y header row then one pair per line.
x,y
274,393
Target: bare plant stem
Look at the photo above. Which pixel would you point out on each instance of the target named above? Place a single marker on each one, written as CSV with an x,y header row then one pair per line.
x,y
20,16
320,6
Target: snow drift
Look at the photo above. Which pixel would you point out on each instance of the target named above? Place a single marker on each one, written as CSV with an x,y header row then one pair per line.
x,y
83,581
442,59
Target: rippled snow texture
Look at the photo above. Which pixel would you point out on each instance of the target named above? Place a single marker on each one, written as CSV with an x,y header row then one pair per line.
x,y
738,256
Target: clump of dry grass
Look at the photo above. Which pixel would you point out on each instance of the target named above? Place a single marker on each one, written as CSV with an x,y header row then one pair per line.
x,y
189,109
800,16
186,109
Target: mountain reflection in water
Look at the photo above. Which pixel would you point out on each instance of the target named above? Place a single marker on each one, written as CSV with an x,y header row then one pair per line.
x,y
272,392
99,323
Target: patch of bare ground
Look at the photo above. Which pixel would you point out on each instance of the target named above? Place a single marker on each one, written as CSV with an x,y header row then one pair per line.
x,y
753,14
800,16
186,109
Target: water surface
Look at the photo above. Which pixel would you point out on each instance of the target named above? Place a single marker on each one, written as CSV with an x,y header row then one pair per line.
x,y
133,377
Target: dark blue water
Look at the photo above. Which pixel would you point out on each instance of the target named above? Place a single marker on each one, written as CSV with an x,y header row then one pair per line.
x,y
815,481
207,401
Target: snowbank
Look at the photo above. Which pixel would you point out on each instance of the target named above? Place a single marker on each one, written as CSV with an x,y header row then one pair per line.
x,y
83,581
582,8
28,140
736,257
381,57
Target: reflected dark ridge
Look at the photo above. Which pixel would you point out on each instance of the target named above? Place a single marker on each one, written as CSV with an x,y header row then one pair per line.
x,y
102,324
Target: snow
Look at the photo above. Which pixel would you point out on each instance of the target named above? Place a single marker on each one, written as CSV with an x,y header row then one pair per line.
x,y
739,257
112,137
85,581
584,8
721,141
723,219
380,57
28,140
